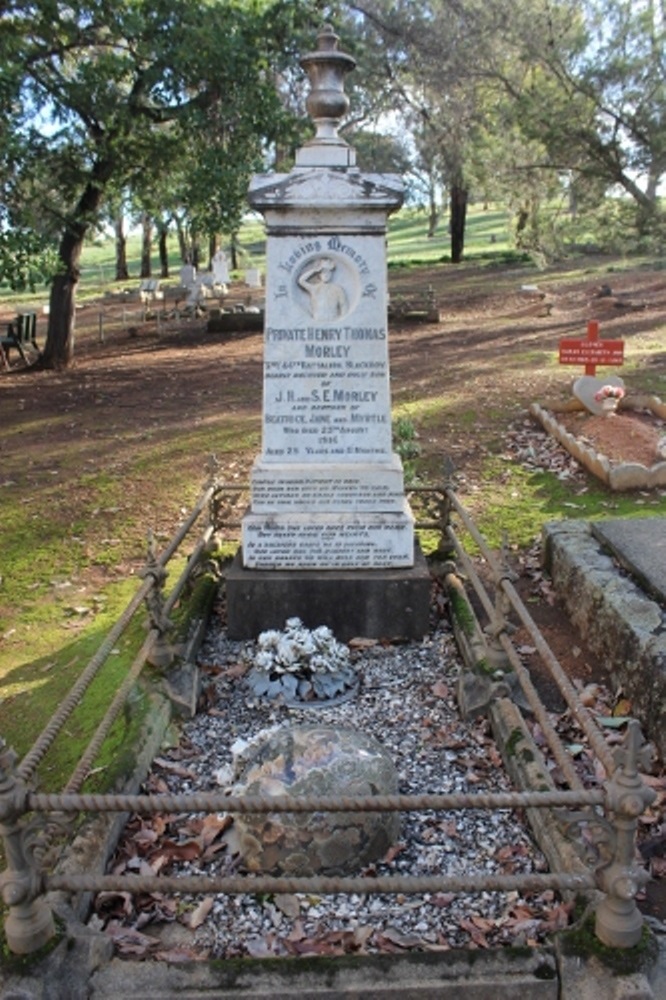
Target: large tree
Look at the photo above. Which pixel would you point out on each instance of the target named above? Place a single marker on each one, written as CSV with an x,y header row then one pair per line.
x,y
98,93
433,51
519,95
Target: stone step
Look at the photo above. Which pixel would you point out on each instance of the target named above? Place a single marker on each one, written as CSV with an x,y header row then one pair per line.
x,y
609,576
528,973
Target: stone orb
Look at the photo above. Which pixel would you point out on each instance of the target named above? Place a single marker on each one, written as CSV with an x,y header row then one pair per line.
x,y
316,760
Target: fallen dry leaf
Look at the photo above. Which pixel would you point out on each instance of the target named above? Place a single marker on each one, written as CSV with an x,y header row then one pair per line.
x,y
237,669
287,903
361,643
476,934
173,768
129,941
623,707
397,937
199,913
392,853
181,954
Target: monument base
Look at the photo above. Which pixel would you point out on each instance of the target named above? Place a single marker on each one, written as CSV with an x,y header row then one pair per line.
x,y
372,603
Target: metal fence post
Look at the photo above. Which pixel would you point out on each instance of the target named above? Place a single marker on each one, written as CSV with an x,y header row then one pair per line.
x,y
619,922
29,924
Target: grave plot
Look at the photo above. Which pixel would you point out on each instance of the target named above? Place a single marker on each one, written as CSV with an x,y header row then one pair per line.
x,y
407,702
615,434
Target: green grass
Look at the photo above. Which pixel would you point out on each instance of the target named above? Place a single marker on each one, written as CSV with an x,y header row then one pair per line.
x,y
408,243
33,687
408,246
513,503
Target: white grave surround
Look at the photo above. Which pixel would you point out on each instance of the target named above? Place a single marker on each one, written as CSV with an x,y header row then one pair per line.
x,y
327,491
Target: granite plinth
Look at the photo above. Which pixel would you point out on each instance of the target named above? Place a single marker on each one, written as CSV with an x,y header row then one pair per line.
x,y
300,761
385,603
619,620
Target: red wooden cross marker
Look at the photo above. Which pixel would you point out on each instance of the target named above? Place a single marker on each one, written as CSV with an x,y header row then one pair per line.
x,y
592,351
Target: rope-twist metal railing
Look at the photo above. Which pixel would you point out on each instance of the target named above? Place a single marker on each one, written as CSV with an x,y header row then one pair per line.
x,y
24,813
501,627
618,921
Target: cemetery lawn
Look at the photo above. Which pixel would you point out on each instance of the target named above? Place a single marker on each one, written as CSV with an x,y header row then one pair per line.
x,y
93,457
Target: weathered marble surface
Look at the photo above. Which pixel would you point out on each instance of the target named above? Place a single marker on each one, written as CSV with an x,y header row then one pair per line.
x,y
316,760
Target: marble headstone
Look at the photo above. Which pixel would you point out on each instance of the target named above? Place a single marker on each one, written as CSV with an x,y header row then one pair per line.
x,y
327,491
220,268
586,387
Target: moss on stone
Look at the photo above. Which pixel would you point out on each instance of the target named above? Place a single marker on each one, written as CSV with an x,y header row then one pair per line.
x,y
462,613
582,941
514,738
18,965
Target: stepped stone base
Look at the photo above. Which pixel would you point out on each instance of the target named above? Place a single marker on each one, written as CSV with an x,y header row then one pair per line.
x,y
373,603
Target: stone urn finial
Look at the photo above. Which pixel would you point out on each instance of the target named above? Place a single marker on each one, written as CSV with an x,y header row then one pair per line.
x,y
327,102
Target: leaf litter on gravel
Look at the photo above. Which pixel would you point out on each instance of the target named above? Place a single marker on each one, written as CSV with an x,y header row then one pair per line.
x,y
407,701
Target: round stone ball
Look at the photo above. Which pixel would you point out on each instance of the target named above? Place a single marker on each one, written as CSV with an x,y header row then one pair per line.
x,y
311,760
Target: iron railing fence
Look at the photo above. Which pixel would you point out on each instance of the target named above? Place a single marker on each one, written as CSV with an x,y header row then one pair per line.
x,y
29,819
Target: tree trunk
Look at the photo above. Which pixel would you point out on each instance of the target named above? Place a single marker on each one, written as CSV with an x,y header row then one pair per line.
x,y
213,246
162,234
122,273
234,251
182,243
433,214
521,225
146,245
59,348
459,195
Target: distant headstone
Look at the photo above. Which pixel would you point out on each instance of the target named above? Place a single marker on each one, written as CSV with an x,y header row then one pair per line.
x,y
187,275
220,268
253,277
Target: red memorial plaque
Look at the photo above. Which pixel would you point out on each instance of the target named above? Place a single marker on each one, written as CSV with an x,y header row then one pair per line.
x,y
591,351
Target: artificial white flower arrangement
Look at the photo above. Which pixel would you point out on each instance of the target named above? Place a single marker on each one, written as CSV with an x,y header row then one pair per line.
x,y
301,664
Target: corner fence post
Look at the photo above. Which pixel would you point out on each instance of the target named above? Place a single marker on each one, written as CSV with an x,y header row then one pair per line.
x,y
29,924
500,624
619,922
212,468
161,655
